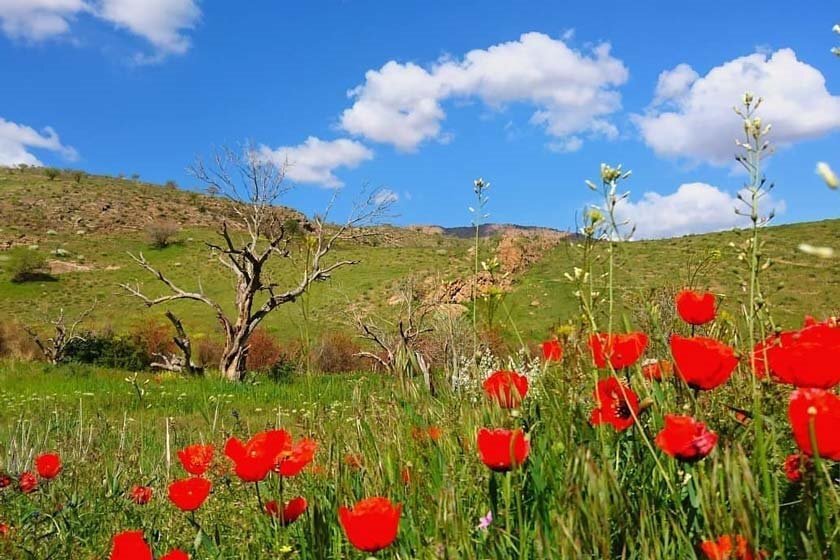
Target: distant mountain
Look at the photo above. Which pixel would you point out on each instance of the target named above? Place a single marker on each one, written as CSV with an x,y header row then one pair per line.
x,y
491,230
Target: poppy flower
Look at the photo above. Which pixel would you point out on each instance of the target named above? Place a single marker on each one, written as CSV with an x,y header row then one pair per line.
x,y
696,308
196,458
48,465
552,350
176,554
405,475
685,438
657,370
353,460
27,482
703,363
130,545
723,549
294,458
809,357
617,404
432,433
507,388
4,530
371,525
820,409
293,509
621,350
795,465
141,495
5,481
255,458
502,450
189,493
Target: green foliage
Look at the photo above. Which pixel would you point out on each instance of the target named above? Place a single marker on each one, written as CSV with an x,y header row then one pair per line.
x,y
51,173
108,350
27,265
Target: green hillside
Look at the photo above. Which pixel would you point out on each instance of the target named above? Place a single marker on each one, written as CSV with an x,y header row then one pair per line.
x,y
87,228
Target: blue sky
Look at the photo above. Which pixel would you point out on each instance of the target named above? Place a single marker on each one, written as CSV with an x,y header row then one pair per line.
x,y
423,97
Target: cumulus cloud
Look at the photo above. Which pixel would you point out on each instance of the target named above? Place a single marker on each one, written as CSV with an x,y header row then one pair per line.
x,y
691,116
384,197
17,140
572,92
315,160
161,22
692,208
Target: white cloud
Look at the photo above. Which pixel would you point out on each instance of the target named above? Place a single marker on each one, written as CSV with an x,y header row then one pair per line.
x,y
161,22
16,141
692,118
693,208
385,196
572,92
36,20
315,160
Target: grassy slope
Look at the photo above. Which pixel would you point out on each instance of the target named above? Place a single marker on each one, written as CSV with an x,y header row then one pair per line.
x,y
32,205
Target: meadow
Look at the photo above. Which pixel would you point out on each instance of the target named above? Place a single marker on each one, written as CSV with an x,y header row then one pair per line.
x,y
614,399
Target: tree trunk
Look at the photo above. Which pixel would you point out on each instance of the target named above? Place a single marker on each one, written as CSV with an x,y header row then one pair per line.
x,y
233,363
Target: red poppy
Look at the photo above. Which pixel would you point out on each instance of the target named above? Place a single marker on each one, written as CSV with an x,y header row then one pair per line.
x,y
196,458
176,554
696,308
293,509
507,388
618,405
353,460
552,351
130,545
4,530
5,481
703,363
405,475
371,525
817,410
502,450
255,459
27,482
622,350
141,495
722,549
809,357
432,433
294,458
685,438
795,465
189,493
657,370
48,465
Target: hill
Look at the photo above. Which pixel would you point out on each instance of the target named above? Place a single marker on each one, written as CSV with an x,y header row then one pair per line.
x,y
86,229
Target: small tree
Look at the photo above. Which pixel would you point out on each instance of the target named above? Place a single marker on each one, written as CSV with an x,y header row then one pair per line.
x,y
51,173
55,347
253,184
26,265
77,176
162,233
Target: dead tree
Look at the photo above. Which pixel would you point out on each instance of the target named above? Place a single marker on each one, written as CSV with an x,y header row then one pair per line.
x,y
399,341
55,347
256,237
182,363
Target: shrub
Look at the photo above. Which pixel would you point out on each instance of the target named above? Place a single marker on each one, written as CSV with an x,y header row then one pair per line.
x,y
283,370
162,233
108,350
154,337
25,265
77,176
51,173
207,352
336,352
16,343
170,184
263,351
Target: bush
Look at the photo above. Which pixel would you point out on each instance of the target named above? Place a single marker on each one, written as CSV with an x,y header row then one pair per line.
x,y
162,233
16,343
171,185
77,176
51,173
283,370
207,352
263,351
108,350
154,338
336,353
26,265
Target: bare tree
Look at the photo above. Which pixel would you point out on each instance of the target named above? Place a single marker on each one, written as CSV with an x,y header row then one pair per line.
x,y
54,348
399,341
256,236
182,363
